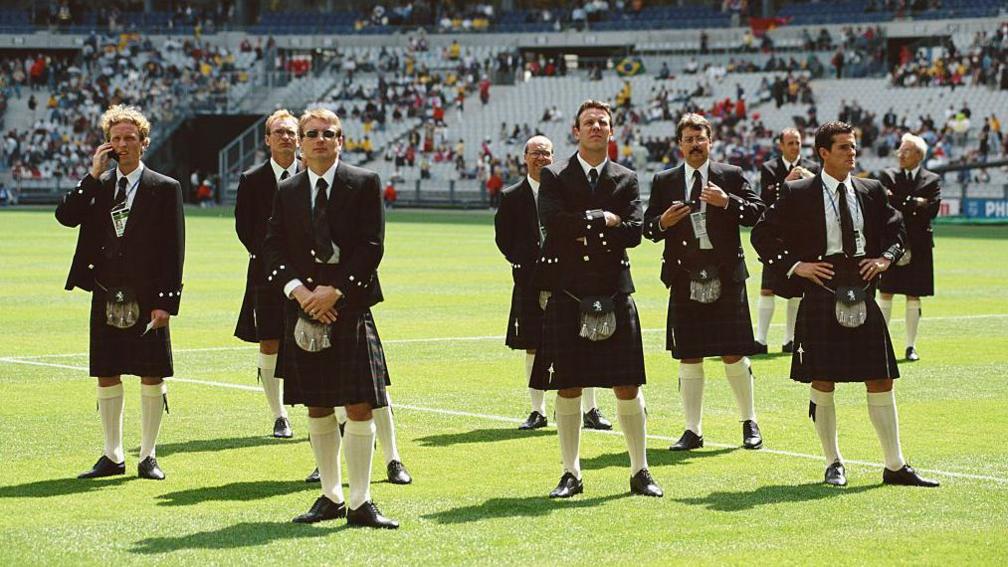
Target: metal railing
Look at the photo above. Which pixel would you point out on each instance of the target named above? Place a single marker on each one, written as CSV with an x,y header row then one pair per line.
x,y
236,157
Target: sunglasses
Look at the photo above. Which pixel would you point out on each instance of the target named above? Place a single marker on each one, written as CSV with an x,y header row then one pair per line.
x,y
327,134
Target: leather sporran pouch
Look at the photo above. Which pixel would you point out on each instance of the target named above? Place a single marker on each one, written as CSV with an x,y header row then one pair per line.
x,y
850,310
122,310
311,335
905,258
705,285
598,317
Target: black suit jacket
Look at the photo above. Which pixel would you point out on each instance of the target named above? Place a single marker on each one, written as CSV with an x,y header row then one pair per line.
x,y
153,244
772,175
516,231
599,265
794,228
357,225
682,252
903,194
257,187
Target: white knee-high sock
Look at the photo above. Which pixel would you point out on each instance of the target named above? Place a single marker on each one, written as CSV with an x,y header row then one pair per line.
x,y
882,411
764,313
360,438
151,410
913,317
110,406
538,397
568,418
691,386
633,421
271,384
886,306
792,317
385,429
826,424
340,413
325,444
588,401
741,381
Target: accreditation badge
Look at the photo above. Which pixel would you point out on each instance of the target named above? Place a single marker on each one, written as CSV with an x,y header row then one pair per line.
x,y
699,222
119,218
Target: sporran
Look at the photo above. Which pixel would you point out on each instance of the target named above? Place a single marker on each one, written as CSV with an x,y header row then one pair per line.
x,y
122,310
850,306
705,285
598,317
311,335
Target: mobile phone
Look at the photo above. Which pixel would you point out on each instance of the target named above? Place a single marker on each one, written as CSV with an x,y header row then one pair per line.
x,y
112,155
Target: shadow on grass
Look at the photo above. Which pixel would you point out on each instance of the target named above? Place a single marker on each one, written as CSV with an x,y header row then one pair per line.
x,y
655,457
525,507
61,487
213,445
780,494
245,534
235,492
482,436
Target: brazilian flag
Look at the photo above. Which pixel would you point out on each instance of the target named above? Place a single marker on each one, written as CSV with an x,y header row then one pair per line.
x,y
629,66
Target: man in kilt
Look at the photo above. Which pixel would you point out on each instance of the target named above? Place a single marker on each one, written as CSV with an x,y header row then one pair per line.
x,y
696,210
129,255
590,209
323,244
837,233
519,235
789,166
261,317
916,193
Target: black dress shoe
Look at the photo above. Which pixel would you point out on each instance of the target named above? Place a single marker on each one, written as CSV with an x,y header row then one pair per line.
x,y
911,354
148,468
593,419
906,476
313,477
759,348
788,347
397,473
568,486
104,467
368,516
751,436
323,509
282,428
688,441
535,421
643,484
836,475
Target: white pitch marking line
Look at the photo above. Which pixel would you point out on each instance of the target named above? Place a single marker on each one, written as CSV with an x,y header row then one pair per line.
x,y
450,339
504,419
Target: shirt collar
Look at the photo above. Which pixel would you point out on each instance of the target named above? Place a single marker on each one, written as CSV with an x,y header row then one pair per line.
x,y
703,169
585,166
832,183
329,175
279,169
533,183
790,164
132,178
915,171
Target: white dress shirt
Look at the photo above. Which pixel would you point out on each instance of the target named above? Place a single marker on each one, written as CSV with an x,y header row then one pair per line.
x,y
704,170
313,178
279,169
834,238
132,182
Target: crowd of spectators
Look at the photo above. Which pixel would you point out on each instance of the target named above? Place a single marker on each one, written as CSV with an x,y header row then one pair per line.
x,y
983,62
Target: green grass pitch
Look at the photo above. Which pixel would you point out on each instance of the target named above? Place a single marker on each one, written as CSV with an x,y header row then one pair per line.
x,y
479,495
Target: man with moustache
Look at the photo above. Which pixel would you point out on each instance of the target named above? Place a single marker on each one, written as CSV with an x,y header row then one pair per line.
x,y
836,234
916,193
323,244
261,317
519,236
696,209
129,255
789,166
591,212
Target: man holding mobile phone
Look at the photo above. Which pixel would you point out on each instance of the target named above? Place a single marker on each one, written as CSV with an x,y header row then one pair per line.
x,y
129,255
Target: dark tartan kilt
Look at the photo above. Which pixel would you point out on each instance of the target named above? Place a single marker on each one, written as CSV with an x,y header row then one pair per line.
x,y
697,330
782,286
917,277
114,352
261,317
353,370
826,350
525,311
578,362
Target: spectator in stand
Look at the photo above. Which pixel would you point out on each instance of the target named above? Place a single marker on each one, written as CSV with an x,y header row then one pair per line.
x,y
494,185
389,195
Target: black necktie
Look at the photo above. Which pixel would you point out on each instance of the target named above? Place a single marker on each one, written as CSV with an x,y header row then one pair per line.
x,y
320,223
120,196
284,175
909,177
694,195
846,223
593,178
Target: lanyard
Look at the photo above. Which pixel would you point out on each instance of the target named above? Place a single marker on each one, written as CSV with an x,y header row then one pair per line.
x,y
833,204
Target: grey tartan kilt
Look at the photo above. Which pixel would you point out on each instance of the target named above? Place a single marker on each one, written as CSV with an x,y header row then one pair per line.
x,y
114,352
825,350
262,312
525,321
353,370
697,330
578,362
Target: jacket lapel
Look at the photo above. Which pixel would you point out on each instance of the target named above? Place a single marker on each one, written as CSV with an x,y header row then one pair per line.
x,y
142,201
302,206
818,211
